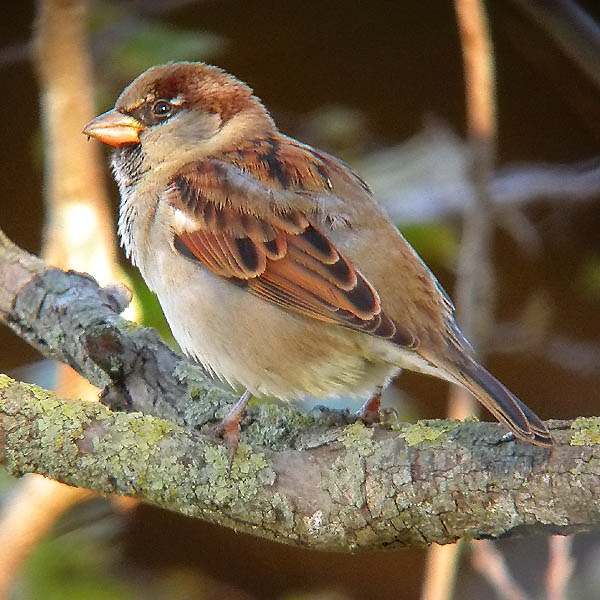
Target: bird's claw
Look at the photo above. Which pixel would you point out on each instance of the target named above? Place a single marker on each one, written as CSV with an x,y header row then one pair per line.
x,y
229,432
370,411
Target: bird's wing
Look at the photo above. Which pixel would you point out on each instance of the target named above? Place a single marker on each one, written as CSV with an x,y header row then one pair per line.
x,y
251,231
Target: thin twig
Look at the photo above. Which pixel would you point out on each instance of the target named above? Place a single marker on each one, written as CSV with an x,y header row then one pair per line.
x,y
492,567
78,231
440,571
560,567
475,277
573,30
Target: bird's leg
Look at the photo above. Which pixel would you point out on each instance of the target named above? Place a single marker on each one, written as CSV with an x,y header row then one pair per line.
x,y
229,427
369,411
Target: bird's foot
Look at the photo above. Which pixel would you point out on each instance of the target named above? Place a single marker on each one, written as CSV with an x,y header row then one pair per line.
x,y
229,432
370,411
229,429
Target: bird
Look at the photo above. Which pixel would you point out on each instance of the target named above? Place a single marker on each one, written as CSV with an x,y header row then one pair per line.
x,y
275,266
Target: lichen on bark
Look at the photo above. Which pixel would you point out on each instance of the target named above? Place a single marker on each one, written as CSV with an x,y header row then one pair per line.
x,y
586,431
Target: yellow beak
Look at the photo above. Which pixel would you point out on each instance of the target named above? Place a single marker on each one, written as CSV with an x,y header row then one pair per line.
x,y
114,128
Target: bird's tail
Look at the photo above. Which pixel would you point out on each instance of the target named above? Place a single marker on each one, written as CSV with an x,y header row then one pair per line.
x,y
501,402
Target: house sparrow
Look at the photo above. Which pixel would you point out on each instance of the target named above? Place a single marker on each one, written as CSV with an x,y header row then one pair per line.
x,y
274,265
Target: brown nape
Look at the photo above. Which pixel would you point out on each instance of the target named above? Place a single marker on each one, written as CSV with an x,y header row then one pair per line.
x,y
197,84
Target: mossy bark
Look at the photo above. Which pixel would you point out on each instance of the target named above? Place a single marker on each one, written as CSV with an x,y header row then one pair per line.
x,y
317,480
343,488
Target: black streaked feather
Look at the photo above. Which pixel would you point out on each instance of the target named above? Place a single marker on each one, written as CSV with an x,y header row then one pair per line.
x,y
386,327
362,297
188,193
248,253
341,271
318,241
274,164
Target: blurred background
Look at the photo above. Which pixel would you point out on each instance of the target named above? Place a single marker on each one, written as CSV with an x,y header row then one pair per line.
x,y
380,84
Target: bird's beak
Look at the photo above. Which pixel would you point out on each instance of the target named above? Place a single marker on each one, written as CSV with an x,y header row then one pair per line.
x,y
114,128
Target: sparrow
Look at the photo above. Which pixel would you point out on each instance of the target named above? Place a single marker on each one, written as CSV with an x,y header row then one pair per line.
x,y
274,264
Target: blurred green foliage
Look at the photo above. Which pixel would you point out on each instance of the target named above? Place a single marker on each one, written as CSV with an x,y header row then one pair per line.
x,y
126,43
436,243
342,130
152,314
589,277
152,44
72,566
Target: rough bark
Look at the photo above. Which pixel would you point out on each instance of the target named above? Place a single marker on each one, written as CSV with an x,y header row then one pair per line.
x,y
316,480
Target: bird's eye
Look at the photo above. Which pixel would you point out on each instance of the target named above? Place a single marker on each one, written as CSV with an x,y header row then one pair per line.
x,y
162,108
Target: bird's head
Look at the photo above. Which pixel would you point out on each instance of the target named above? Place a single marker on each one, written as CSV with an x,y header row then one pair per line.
x,y
178,106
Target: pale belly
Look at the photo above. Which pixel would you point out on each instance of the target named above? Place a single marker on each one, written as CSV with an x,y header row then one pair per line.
x,y
253,344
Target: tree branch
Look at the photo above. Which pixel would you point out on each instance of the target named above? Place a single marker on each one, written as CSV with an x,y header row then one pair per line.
x,y
343,488
315,480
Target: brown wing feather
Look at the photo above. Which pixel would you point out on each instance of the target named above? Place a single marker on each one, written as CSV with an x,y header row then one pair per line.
x,y
279,255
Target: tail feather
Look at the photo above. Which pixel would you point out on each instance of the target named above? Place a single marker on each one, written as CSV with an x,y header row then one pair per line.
x,y
502,403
